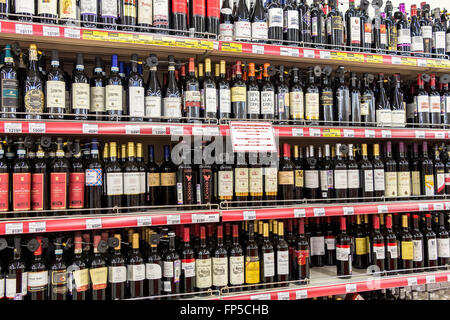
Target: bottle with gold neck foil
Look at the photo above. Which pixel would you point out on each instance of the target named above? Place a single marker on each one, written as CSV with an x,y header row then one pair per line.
x,y
131,181
142,173
114,179
33,87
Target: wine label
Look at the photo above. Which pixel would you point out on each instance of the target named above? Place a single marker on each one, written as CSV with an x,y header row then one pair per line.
x,y
353,179
160,13
136,272
168,179
429,184
145,12
435,104
447,104
136,101
367,32
237,270
113,98
417,43
378,249
282,262
88,7
220,271
355,30
404,37
203,273
393,250
267,102
368,180
224,101
168,271
398,118
11,288
325,179
241,180
330,243
242,30
256,180
383,35
142,182
114,185
439,40
99,278
407,250
46,7
299,178
443,248
361,246
188,267
153,271
312,106
311,179
432,249
9,93
301,256
337,23
270,180
81,279
211,100
342,252
415,182
172,107
226,31
314,27
37,281
390,184
153,179
67,9
152,106
286,177
440,181
80,96
117,274
37,191
131,183
296,103
269,264
317,246
427,31
24,6
404,184
384,117
93,177
4,191
76,190
97,99
21,191
225,183
417,250
59,281
252,270
340,179
253,102
260,30
34,101
58,190
109,9
423,103
282,102
191,99
239,94
275,17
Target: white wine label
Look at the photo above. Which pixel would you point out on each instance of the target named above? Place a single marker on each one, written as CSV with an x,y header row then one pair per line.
x,y
423,104
47,7
355,30
242,30
340,179
241,180
384,117
37,280
368,180
368,33
224,101
269,264
131,183
109,8
153,271
220,271
312,106
390,184
267,102
439,40
56,94
168,269
225,183
68,9
256,180
443,248
203,273
136,272
379,251
117,274
270,180
172,107
440,182
114,185
283,262
275,17
317,246
226,31
237,270
417,43
432,249
427,31
398,118
253,102
291,19
152,106
378,175
417,250
311,179
136,101
113,98
392,248
98,99
404,36
24,6
404,184
88,7
188,267
80,96
429,184
435,104
142,186
296,102
260,31
145,12
353,179
342,252
11,286
210,100
330,243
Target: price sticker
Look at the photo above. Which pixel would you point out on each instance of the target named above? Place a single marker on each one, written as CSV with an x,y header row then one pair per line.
x,y
24,29
283,295
309,53
198,218
412,281
448,278
176,130
382,208
13,127
263,296
290,52
34,127
350,288
93,224
90,128
256,49
447,206
431,279
319,212
349,133
72,33
396,60
301,294
423,206
212,131
369,133
325,54
173,219
420,134
144,221
297,132
133,129
14,228
386,133
213,217
439,135
158,130
249,215
198,131
38,226
421,62
299,213
50,31
438,206
314,132
349,211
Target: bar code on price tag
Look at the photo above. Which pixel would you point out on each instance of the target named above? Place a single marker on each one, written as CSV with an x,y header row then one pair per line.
x,y
173,219
299,213
290,52
72,33
369,133
24,28
283,295
420,134
198,218
249,215
325,54
176,130
350,288
349,210
319,212
314,132
439,135
423,206
93,224
431,279
386,133
133,129
14,228
301,294
13,127
90,128
34,127
38,226
349,133
159,130
412,281
382,209
257,49
144,221
50,31
297,132
438,206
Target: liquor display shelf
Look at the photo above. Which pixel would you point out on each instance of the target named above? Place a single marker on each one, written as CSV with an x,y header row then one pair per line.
x,y
84,39
325,283
74,127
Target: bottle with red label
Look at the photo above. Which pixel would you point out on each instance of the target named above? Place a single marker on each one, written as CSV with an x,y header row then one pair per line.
x,y
21,181
39,183
59,181
343,252
301,255
212,17
76,182
4,181
180,17
197,20
187,264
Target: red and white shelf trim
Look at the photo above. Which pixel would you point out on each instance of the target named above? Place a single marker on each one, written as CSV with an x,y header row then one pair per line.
x,y
317,210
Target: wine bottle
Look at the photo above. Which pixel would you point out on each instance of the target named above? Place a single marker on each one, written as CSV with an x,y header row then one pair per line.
x,y
398,105
379,38
114,179
427,30
154,267
418,245
68,12
253,94
187,264
366,174
9,85
128,10
275,22
59,181
366,27
219,262
203,265
16,274
39,183
317,24
142,175
431,247
171,268
117,273
390,173
335,26
153,178
98,271
296,97
406,246
367,102
434,102
94,179
343,253
267,95
242,22
224,95
21,181
286,175
88,13
268,259
361,256
33,87
317,241
282,98
447,172
239,94
55,89
197,19
391,247
291,23
153,94
226,22
282,252
299,174
439,173
109,14
135,270
131,179
383,108
76,182
301,253
403,31
192,95
353,27
46,10
311,100
80,90
423,103
97,92
37,282
377,246
168,179
340,174
58,273
353,181
438,41
24,9
391,27
113,92
445,104
172,95
403,173
426,172
241,179
417,41
78,278
135,91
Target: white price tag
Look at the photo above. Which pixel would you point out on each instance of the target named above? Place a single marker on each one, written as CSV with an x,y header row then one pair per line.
x,y
213,217
309,53
349,211
198,218
38,226
439,135
297,132
133,129
438,206
448,278
212,131
257,49
421,62
325,54
412,281
431,279
396,60
144,221
447,206
72,33
420,134
350,288
386,133
369,133
283,295
14,228
299,213
349,133
50,31
159,130
24,28
93,223
291,52
301,294
173,219
382,208
263,296
34,127
198,131
90,128
249,215
13,127
423,206
314,132
176,130
319,212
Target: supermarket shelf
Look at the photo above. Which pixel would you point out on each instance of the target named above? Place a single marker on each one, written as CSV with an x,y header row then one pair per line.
x,y
74,127
95,222
324,283
320,210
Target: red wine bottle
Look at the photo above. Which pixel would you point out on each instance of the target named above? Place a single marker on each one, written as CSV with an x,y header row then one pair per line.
x,y
301,255
135,270
286,175
241,179
343,253
317,241
109,14
117,270
439,173
434,102
172,95
442,244
197,19
39,183
418,244
171,268
291,23
361,255
430,244
299,173
226,22
187,264
390,173
403,31
78,279
58,273
403,173
417,48
239,94
406,246
192,96
180,18
330,244
335,26
98,271
268,259
21,181
366,27
59,181
391,247
282,256
427,180
377,246
253,264
236,262
275,23
259,32
423,104
203,266
212,17
340,174
16,275
267,95
219,262
426,28
37,284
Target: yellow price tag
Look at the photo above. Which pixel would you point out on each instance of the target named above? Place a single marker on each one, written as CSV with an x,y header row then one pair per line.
x,y
374,58
409,61
231,46
338,55
355,57
331,132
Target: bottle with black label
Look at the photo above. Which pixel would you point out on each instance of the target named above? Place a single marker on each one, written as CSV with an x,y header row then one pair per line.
x,y
355,100
185,181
